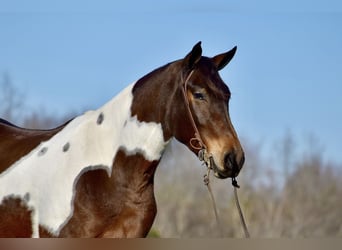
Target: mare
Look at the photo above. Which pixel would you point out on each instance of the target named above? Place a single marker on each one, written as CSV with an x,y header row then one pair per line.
x,y
93,176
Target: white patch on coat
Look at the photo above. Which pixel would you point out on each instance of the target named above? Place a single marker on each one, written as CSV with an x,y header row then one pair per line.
x,y
49,177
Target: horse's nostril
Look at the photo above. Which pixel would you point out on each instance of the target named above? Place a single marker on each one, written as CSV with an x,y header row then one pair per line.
x,y
230,161
233,162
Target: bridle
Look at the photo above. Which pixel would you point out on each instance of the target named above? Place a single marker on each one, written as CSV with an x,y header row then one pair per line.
x,y
196,142
204,156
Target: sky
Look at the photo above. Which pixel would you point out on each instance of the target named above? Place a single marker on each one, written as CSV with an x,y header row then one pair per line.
x,y
286,76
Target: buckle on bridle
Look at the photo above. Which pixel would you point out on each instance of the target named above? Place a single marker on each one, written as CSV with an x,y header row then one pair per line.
x,y
205,157
201,154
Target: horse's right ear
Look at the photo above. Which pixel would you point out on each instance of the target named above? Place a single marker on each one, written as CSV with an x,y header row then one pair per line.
x,y
193,57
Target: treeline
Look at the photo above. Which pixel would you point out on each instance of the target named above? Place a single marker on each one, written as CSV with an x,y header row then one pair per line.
x,y
305,203
14,108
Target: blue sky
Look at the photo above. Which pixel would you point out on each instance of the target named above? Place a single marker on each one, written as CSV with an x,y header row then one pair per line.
x,y
286,75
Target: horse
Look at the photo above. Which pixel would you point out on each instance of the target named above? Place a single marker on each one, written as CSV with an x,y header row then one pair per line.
x,y
94,175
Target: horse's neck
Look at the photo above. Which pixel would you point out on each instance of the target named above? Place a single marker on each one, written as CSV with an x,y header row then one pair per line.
x,y
156,93
129,133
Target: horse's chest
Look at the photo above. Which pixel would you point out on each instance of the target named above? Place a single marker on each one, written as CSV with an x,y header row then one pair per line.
x,y
102,209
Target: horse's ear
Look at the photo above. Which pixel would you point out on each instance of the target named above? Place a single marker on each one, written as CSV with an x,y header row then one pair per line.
x,y
223,59
193,57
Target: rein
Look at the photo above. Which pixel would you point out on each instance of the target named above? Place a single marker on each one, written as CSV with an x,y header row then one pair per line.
x,y
204,156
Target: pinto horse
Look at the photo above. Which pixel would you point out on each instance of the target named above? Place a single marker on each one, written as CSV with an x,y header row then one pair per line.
x,y
93,176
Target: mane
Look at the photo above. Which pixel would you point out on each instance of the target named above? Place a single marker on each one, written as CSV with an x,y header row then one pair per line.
x,y
152,75
218,88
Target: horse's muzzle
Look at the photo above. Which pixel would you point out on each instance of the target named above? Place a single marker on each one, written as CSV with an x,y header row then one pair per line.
x,y
232,165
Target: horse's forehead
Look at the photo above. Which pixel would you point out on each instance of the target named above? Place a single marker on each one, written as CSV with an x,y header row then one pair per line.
x,y
207,76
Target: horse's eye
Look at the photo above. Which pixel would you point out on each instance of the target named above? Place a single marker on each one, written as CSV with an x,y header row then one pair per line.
x,y
199,96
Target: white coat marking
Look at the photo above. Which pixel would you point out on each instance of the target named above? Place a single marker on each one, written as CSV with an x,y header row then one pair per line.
x,y
48,172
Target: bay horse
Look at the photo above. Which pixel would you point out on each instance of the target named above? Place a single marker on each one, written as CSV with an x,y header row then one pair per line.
x,y
93,176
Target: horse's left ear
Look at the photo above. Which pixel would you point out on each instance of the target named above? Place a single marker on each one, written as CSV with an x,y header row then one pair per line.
x,y
193,57
222,60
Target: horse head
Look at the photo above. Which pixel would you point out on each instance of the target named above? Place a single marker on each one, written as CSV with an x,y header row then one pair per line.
x,y
207,98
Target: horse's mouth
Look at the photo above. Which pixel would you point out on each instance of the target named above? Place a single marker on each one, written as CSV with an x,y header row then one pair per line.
x,y
223,174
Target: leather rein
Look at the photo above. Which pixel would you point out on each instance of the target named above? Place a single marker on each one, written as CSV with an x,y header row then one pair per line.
x,y
204,156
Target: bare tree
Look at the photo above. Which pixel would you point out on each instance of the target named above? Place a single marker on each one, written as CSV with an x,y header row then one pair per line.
x,y
307,204
11,99
286,151
40,119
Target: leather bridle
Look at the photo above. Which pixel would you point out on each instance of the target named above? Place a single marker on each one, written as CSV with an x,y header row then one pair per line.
x,y
196,142
207,158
